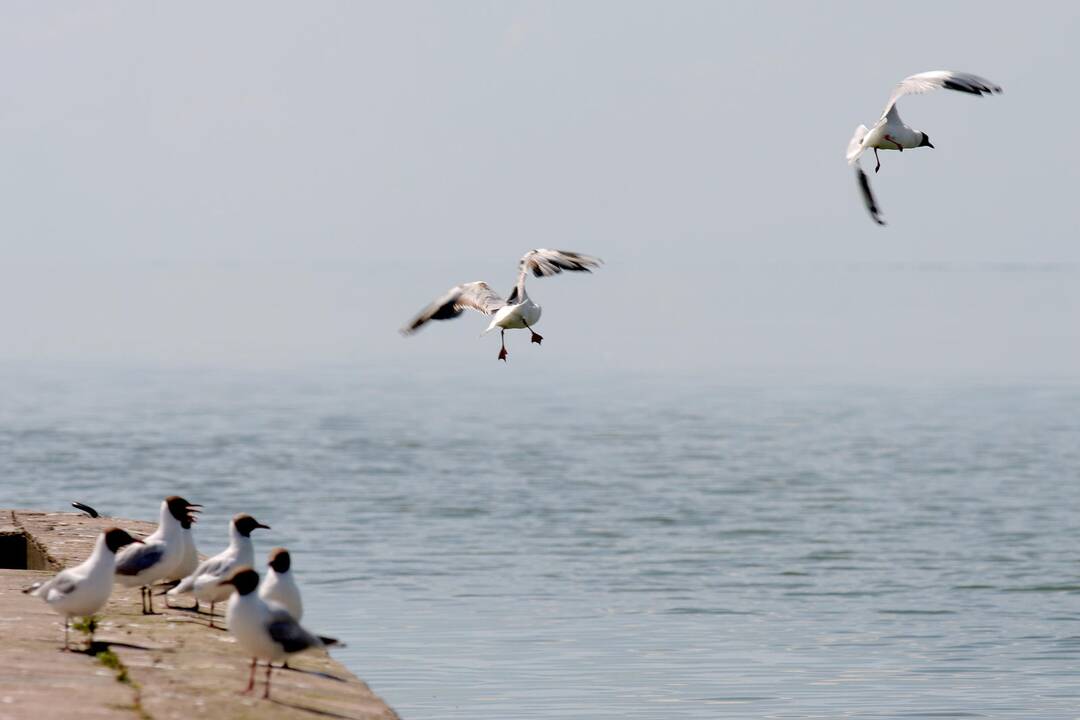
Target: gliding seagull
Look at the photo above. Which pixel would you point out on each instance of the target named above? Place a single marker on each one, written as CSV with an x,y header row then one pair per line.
x,y
890,132
516,311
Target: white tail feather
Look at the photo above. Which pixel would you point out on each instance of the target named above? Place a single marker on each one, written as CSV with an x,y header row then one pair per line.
x,y
186,585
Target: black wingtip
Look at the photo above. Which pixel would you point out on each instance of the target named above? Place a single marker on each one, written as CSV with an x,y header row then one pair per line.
x,y
86,509
868,196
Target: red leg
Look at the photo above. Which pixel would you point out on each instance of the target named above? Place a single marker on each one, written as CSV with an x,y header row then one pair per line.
x,y
266,689
502,353
251,679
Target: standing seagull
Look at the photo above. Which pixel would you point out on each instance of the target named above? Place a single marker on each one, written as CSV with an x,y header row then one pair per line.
x,y
890,132
516,311
205,581
280,586
265,631
187,565
158,557
84,589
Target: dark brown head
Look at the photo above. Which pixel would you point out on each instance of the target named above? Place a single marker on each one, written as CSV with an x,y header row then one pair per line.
x,y
181,509
279,560
925,141
115,538
244,579
244,524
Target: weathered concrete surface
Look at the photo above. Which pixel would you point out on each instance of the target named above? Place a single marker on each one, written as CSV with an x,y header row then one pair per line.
x,y
180,668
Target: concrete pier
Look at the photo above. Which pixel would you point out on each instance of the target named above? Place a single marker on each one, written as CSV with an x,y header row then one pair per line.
x,y
160,666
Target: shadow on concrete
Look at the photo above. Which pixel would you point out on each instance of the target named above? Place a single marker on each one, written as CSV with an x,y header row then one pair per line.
x,y
315,673
102,645
314,711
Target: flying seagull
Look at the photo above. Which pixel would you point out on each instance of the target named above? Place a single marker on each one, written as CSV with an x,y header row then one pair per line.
x,y
516,311
890,132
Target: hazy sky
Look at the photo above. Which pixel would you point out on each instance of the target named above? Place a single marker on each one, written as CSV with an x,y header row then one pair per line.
x,y
284,184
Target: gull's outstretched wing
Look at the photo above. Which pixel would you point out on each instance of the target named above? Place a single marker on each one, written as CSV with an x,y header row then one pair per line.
x,y
470,296
91,512
936,79
855,144
543,262
868,195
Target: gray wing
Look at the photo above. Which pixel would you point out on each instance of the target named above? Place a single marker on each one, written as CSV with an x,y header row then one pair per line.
x,y
936,79
214,567
288,633
868,195
469,296
543,263
136,558
91,512
61,584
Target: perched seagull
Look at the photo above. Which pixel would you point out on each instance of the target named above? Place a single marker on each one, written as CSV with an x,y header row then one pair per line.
x,y
188,564
280,588
280,585
84,589
516,311
890,132
205,581
266,631
160,554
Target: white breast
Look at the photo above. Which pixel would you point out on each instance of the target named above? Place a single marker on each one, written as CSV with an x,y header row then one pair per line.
x,y
87,598
247,618
282,589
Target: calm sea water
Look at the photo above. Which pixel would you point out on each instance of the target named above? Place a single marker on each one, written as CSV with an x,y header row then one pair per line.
x,y
625,548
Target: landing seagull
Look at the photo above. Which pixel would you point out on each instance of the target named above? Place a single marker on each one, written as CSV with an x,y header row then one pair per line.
x,y
890,132
516,311
84,589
